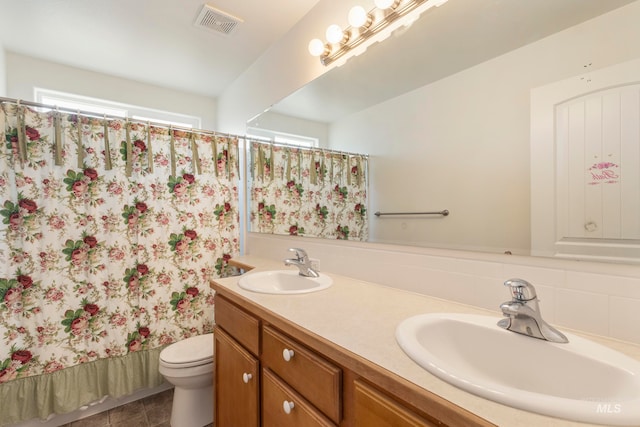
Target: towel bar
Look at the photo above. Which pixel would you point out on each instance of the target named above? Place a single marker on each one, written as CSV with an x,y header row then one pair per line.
x,y
443,213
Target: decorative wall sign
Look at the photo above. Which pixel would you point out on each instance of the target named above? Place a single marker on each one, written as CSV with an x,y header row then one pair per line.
x,y
604,173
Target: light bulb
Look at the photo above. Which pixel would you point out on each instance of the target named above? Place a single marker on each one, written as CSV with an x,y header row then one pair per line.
x,y
334,34
384,4
357,16
316,47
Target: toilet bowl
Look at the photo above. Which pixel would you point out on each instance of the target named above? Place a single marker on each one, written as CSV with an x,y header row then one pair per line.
x,y
188,365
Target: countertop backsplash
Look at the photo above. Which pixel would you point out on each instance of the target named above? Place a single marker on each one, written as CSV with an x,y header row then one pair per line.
x,y
596,298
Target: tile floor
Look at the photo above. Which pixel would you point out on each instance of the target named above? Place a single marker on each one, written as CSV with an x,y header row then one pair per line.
x,y
152,411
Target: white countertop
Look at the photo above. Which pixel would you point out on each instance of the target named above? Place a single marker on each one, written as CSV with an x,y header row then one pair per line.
x,y
362,317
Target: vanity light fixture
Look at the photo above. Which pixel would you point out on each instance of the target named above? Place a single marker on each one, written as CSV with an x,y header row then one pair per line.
x,y
366,26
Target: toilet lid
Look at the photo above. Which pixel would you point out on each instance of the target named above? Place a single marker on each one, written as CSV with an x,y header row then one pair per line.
x,y
189,351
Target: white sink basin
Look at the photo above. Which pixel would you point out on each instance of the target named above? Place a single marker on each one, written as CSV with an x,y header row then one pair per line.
x,y
283,282
580,381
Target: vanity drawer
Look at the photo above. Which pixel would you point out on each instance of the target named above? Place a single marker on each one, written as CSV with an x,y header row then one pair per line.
x,y
318,380
274,395
242,326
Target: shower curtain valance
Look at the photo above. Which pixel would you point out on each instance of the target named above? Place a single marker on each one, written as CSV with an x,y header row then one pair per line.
x,y
55,115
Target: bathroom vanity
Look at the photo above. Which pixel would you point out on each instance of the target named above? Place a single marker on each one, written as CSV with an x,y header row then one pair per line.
x,y
286,376
329,358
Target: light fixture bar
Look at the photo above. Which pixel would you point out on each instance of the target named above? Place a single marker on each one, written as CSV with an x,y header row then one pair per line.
x,y
332,53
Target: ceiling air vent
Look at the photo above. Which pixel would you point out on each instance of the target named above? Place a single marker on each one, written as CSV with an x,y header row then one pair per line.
x,y
217,20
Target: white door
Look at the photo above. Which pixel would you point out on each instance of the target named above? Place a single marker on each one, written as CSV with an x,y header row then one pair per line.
x,y
598,165
585,166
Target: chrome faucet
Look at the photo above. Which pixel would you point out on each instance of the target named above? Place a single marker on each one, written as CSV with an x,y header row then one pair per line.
x,y
302,262
523,313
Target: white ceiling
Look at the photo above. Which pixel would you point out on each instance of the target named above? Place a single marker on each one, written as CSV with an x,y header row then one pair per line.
x,y
153,41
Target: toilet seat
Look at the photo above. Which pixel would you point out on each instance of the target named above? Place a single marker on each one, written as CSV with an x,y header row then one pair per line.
x,y
194,351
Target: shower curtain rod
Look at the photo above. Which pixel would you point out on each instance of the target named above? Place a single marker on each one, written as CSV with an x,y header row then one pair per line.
x,y
284,144
107,116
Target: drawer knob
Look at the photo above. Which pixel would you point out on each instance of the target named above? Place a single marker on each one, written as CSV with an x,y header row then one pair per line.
x,y
288,406
287,354
246,378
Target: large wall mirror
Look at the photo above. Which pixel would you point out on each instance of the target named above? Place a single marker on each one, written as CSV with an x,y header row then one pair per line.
x,y
443,109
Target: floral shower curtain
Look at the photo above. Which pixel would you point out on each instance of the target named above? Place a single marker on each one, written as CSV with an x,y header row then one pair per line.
x,y
308,192
109,233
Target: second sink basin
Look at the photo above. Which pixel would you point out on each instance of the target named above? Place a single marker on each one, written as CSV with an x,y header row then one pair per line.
x,y
580,380
283,282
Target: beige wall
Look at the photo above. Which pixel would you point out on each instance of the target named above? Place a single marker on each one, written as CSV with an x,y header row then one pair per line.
x,y
24,73
3,72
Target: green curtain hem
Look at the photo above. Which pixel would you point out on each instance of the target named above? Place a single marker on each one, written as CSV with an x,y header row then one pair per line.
x,y
69,389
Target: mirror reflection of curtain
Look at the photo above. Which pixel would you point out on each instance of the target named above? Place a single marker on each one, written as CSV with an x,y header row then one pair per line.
x,y
109,233
308,192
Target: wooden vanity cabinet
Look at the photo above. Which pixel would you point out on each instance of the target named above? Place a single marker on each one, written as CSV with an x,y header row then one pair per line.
x,y
258,369
237,367
374,408
298,379
237,394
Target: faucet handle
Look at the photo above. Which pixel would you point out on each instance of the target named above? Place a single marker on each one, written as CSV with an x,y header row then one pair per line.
x,y
301,254
521,290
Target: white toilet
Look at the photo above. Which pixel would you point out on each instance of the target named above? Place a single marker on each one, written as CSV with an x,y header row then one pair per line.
x,y
188,365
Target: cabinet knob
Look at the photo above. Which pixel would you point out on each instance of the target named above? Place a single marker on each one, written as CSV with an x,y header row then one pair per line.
x,y
287,354
246,378
288,406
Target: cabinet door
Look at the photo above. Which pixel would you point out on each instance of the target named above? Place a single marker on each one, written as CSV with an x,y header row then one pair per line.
x,y
237,384
373,408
